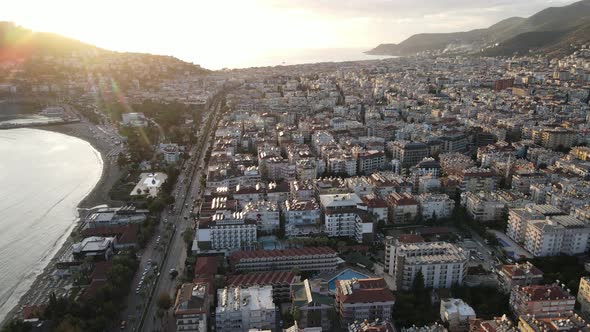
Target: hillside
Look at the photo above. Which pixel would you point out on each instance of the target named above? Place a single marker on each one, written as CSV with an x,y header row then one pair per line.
x,y
544,30
18,44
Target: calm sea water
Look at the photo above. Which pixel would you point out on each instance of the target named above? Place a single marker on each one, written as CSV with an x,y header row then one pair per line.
x,y
43,177
281,57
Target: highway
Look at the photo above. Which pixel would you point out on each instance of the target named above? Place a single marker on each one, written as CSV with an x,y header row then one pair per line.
x,y
187,193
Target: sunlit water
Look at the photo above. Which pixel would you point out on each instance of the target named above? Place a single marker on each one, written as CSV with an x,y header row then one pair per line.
x,y
277,57
43,177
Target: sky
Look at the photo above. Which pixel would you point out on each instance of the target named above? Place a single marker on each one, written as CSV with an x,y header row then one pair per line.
x,y
232,31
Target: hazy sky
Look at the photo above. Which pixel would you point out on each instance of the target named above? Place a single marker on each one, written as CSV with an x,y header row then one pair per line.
x,y
203,31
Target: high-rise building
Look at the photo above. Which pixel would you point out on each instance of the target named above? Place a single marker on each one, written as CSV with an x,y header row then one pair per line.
x,y
442,264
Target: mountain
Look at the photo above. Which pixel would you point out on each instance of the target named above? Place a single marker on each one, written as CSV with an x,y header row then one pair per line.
x,y
553,29
19,44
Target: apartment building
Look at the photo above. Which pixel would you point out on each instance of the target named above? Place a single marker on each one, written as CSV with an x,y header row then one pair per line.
x,y
370,161
302,259
225,230
435,206
341,163
584,296
497,324
408,153
541,300
265,213
442,264
525,274
558,137
478,179
483,206
314,308
522,181
243,309
343,218
566,322
303,218
403,207
363,299
558,235
191,307
457,314
280,281
518,219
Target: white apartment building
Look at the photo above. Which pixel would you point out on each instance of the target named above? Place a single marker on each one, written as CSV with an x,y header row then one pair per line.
x,y
242,309
518,219
370,161
482,206
442,264
546,231
265,213
171,152
558,235
342,218
343,164
225,230
302,218
457,314
435,205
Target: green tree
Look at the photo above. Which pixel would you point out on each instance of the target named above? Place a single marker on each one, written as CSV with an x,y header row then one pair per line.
x,y
164,302
418,283
17,325
188,236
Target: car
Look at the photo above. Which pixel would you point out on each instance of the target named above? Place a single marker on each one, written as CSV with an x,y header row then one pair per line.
x,y
123,324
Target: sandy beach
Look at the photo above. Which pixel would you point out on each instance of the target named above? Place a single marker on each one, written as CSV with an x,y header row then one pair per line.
x,y
110,171
98,196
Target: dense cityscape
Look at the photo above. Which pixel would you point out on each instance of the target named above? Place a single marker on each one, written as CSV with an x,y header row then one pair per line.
x,y
424,193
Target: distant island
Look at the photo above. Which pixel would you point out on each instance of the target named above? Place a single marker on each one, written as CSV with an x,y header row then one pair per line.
x,y
551,31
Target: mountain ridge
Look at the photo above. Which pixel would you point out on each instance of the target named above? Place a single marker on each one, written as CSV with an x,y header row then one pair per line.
x,y
558,24
18,43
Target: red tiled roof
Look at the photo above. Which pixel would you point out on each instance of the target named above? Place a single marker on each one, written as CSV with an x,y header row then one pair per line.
x,y
521,270
261,279
308,251
545,292
101,271
206,266
367,291
410,238
374,202
33,311
124,233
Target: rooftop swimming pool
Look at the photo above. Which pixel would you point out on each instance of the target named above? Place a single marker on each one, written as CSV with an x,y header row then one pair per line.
x,y
345,275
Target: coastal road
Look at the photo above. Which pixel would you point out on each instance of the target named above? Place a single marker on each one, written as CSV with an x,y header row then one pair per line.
x,y
173,223
187,194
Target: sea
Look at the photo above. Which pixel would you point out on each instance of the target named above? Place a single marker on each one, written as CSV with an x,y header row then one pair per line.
x,y
276,57
43,177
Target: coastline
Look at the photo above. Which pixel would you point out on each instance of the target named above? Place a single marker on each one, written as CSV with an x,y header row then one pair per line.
x,y
97,196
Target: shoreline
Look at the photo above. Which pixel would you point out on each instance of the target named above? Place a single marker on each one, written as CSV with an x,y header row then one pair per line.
x,y
98,195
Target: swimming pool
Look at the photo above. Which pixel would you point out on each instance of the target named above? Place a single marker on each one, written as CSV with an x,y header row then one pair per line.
x,y
345,275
